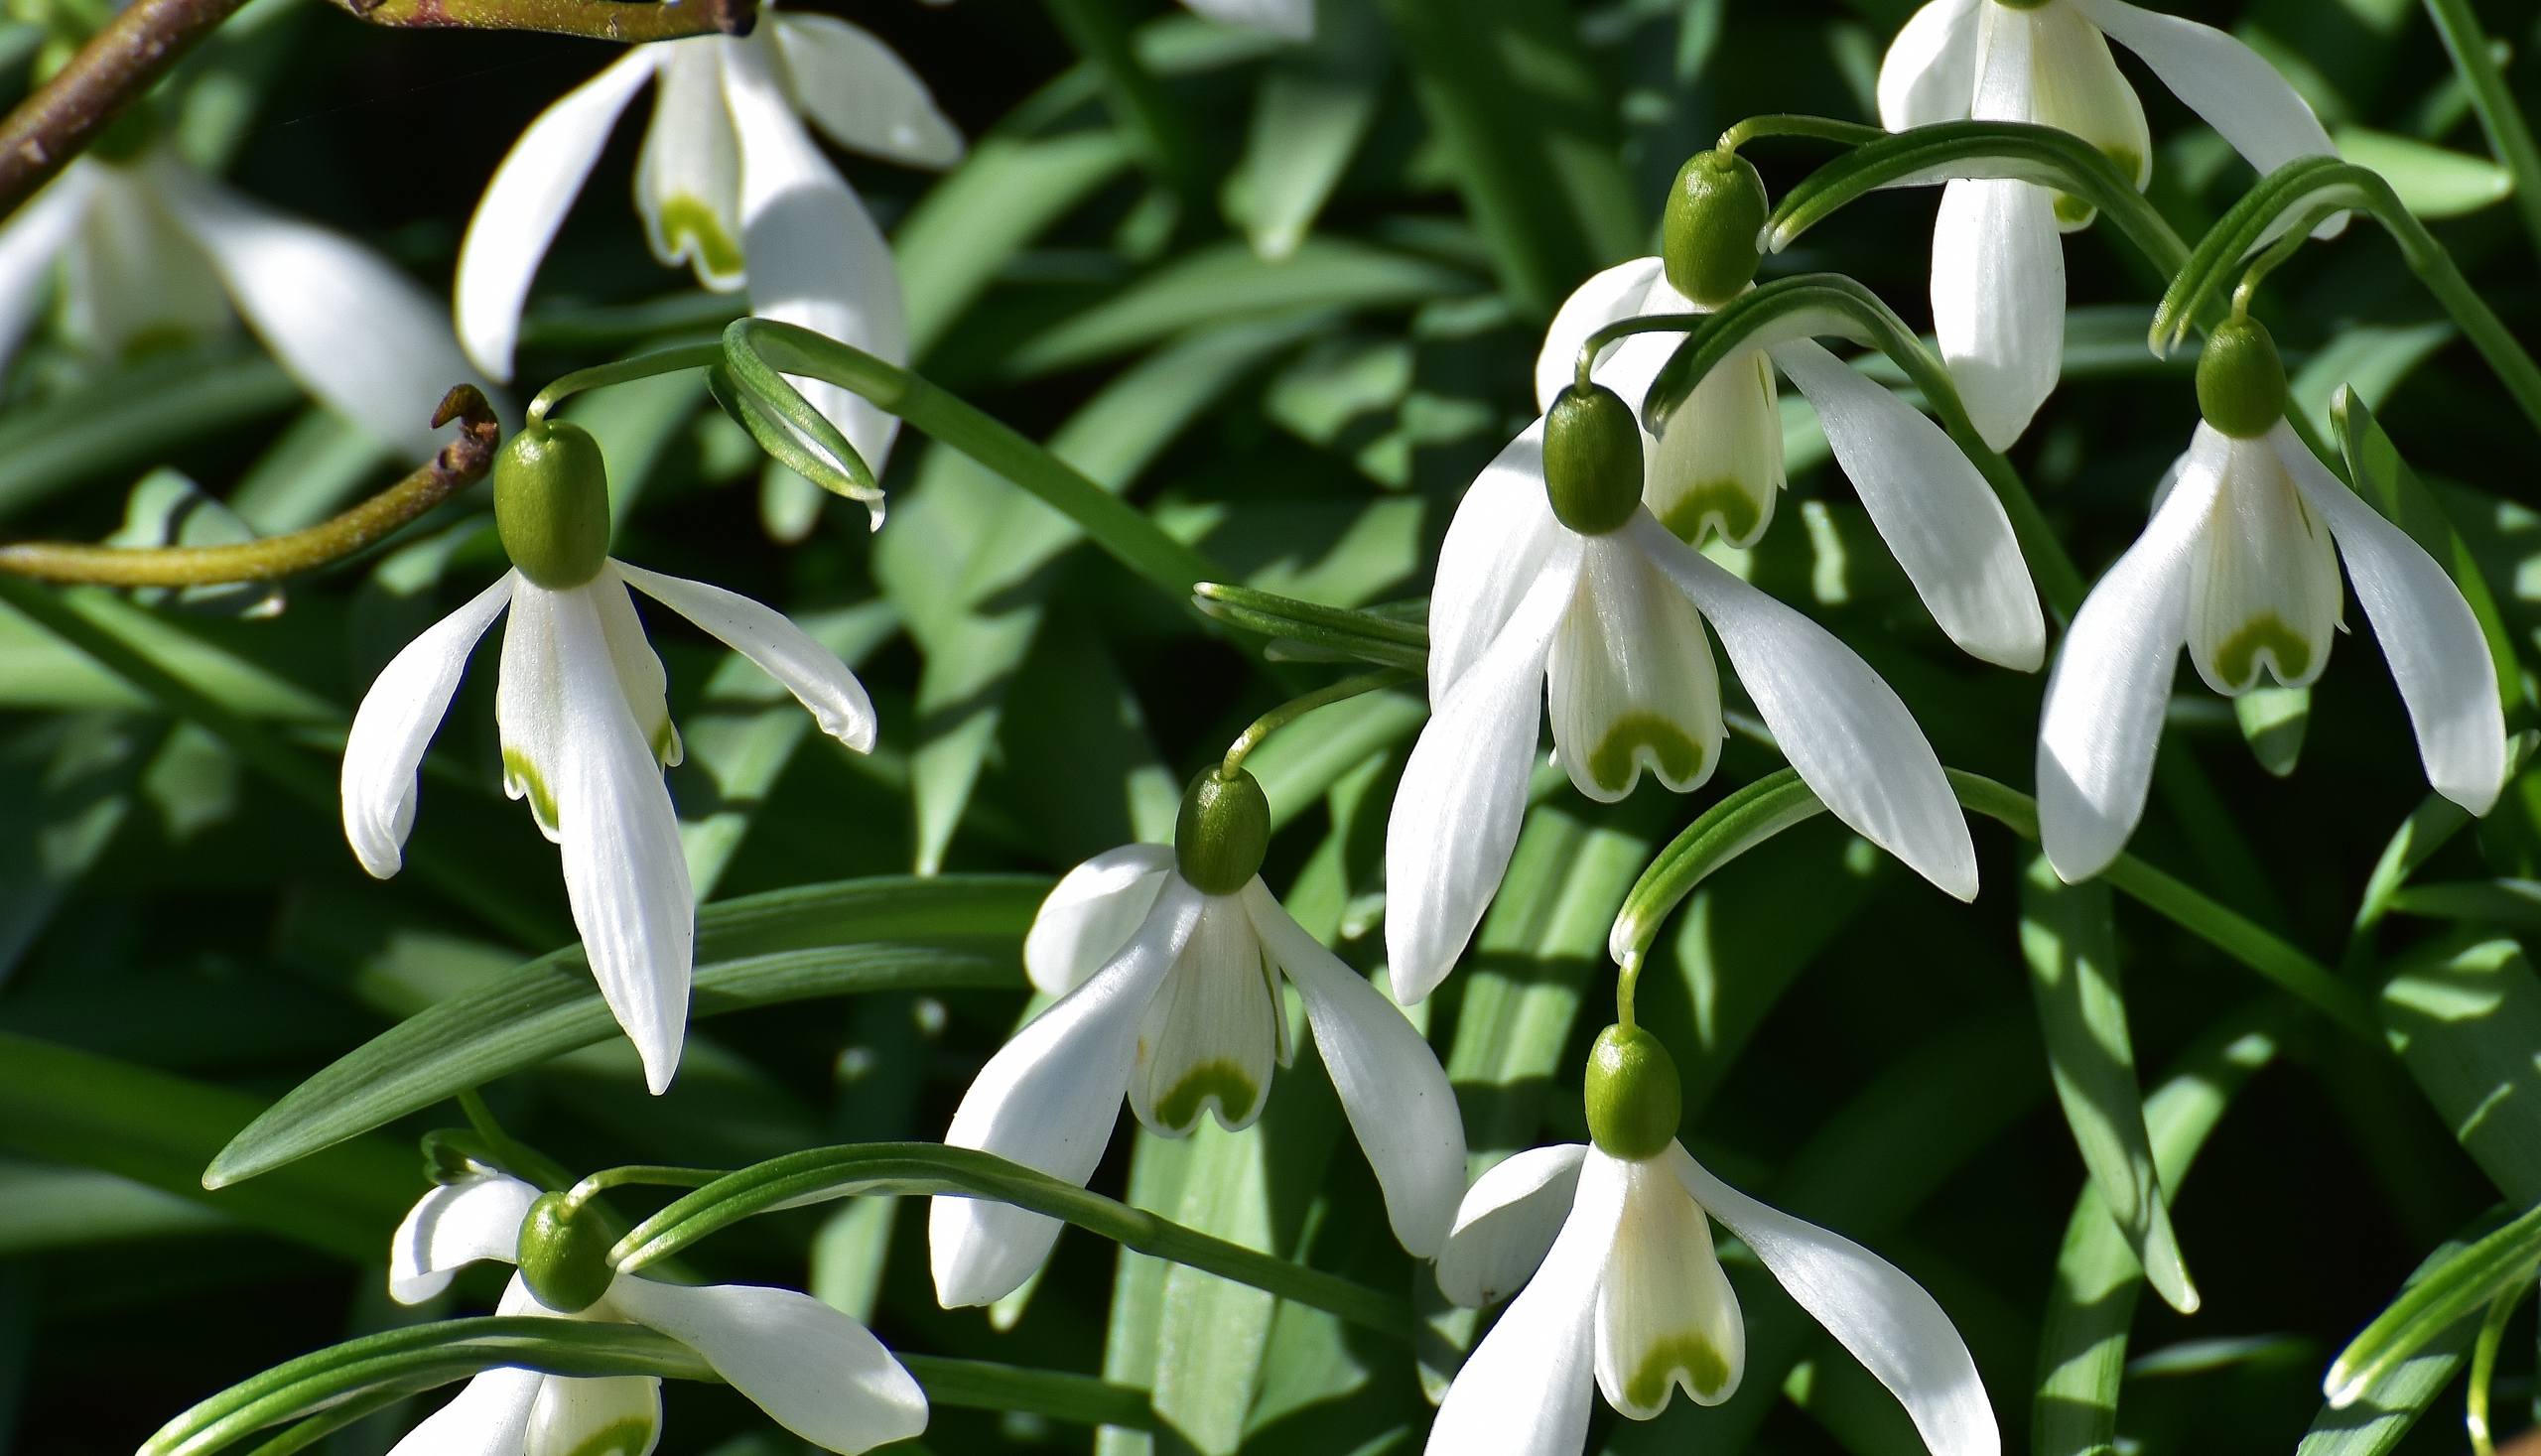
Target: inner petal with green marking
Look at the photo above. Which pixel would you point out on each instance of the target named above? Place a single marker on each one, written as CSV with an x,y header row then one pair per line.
x,y
1667,1318
1630,680
1718,466
1209,1041
609,1415
2263,586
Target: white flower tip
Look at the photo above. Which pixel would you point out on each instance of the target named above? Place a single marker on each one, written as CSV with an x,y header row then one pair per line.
x,y
382,858
2474,799
661,1061
1956,878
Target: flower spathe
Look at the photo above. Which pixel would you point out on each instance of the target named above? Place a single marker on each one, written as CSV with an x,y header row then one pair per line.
x,y
813,1369
152,251
1718,464
1608,630
729,184
586,735
1171,997
2240,565
1998,263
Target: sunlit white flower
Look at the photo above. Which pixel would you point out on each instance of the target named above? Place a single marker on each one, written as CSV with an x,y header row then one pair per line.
x,y
586,735
729,184
1622,1292
153,251
1606,627
813,1369
2240,564
1718,466
1998,267
1170,995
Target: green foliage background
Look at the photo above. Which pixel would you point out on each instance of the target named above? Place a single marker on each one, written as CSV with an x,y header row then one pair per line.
x,y
184,935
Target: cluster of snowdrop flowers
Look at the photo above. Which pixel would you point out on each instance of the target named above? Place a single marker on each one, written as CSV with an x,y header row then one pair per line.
x,y
1167,965
2240,564
585,731
1998,265
153,253
1621,1290
814,1370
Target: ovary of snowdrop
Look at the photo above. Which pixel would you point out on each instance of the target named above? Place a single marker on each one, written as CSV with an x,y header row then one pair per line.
x,y
813,1369
2240,566
1167,964
152,250
1556,585
1609,1246
585,731
1998,265
732,185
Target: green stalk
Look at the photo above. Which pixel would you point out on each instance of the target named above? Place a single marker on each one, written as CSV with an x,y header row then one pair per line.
x,y
2509,135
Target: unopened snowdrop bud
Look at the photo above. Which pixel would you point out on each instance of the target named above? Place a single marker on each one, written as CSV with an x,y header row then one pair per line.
x,y
1592,460
2240,382
1222,832
1634,1100
1715,220
551,504
564,1256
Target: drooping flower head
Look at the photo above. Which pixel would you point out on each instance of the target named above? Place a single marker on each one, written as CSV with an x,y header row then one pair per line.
x,y
2240,566
1609,1246
813,1369
586,730
1998,266
1167,965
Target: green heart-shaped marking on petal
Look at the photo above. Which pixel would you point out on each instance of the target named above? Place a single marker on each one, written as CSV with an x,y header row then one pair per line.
x,y
1611,763
1705,1372
1235,1093
2238,660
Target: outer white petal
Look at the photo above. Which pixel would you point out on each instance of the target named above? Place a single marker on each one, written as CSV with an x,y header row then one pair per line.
x,y
488,1417
2436,654
816,259
31,242
2112,678
784,651
1391,1084
1528,1389
1932,507
688,180
2221,79
1998,301
1047,1100
455,1225
1886,1320
1630,678
526,203
855,90
1930,71
1507,1222
1293,19
1456,811
529,704
356,331
1091,913
1503,531
624,873
1667,1318
1210,1038
133,276
396,721
604,1415
1621,292
813,1369
1837,723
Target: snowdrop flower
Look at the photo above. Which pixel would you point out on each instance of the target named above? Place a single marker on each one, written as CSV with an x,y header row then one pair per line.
x,y
2240,564
1557,584
153,250
1998,269
1623,1293
729,184
1718,464
1167,965
586,732
813,1369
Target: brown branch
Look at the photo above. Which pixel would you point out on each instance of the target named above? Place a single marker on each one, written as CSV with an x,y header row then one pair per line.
x,y
628,21
461,462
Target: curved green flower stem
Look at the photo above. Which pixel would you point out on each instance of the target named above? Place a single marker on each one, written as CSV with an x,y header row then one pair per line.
x,y
621,371
759,349
1296,708
932,1170
461,463
651,1175
2509,135
2483,1367
1794,124
508,1153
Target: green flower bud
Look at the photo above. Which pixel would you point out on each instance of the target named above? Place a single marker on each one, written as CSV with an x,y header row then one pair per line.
x,y
551,504
1633,1097
564,1256
1222,832
1592,460
1710,241
2240,382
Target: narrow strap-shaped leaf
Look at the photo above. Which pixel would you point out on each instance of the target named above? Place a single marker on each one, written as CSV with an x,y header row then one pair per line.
x,y
2381,1413
2453,1292
2465,1015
